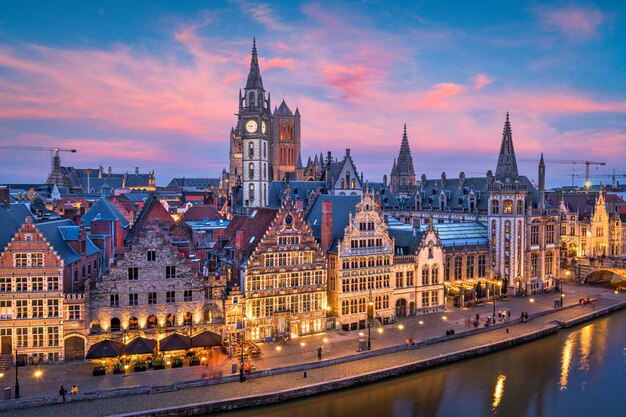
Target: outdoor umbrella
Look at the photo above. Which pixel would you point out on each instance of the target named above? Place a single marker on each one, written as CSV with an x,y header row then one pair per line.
x,y
206,339
105,349
175,341
140,346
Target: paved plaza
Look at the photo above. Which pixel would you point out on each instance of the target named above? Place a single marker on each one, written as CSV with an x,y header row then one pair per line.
x,y
335,344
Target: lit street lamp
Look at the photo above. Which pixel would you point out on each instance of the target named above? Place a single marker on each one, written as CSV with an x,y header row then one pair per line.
x,y
370,315
493,318
243,342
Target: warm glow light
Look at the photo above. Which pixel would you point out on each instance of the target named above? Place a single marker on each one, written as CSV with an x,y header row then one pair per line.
x,y
168,362
566,359
203,359
380,330
567,273
125,366
421,322
278,348
532,300
302,344
38,374
401,326
444,318
1,374
325,340
361,334
498,391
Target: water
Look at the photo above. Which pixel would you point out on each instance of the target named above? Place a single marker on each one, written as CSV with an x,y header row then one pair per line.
x,y
578,372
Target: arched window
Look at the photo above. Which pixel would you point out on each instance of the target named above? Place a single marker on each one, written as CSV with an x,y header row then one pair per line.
x,y
133,323
115,324
208,316
187,319
520,206
435,275
170,320
458,268
152,321
472,202
507,207
251,99
251,170
251,150
446,269
264,149
442,201
534,264
495,207
425,275
251,191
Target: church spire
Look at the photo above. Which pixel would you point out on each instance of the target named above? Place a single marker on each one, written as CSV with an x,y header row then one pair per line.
x,y
405,160
254,76
507,164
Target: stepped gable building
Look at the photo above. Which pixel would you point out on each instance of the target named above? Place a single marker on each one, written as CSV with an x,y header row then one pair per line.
x,y
153,288
402,178
276,273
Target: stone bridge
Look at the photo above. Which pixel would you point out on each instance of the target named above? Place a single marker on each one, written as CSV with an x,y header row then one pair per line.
x,y
594,274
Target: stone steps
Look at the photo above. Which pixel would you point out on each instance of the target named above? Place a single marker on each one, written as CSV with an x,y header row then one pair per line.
x,y
5,362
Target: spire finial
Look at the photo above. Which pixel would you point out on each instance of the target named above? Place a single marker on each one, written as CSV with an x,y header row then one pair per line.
x,y
254,47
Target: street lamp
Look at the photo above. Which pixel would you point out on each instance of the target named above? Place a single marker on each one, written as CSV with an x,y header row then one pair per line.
x,y
493,318
17,382
243,342
370,314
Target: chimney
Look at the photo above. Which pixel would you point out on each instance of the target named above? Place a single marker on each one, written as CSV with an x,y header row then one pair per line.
x,y
329,159
136,170
327,225
239,239
347,152
5,198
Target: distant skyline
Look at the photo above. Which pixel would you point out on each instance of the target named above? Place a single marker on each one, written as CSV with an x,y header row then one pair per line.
x,y
155,84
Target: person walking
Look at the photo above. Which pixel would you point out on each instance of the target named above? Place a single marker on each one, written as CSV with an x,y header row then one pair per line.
x,y
74,390
62,392
319,352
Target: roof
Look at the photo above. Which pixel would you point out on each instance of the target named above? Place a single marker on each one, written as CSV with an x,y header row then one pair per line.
x,y
283,110
202,212
407,241
11,220
103,209
462,234
58,233
253,228
196,183
298,190
343,205
137,180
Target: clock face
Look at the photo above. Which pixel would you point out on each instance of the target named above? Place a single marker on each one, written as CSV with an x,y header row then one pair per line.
x,y
263,126
251,126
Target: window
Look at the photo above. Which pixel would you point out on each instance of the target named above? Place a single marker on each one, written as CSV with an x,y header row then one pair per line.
x,y
534,235
53,336
53,308
133,273
73,312
409,279
170,272
458,268
549,262
37,283
115,300
435,275
37,336
507,207
170,297
6,311
187,296
482,265
446,269
5,284
469,267
22,337
495,206
37,306
21,284
151,255
251,150
251,170
21,309
133,299
36,259
534,264
425,275
520,206
251,192
21,260
425,299
550,233
399,279
152,298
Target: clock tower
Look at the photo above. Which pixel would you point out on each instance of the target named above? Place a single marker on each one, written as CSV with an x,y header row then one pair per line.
x,y
254,119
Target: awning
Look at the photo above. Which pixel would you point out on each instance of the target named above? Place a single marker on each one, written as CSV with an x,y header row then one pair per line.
x,y
206,339
175,341
105,349
140,346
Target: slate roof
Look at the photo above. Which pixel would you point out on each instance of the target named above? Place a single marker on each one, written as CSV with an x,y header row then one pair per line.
x,y
299,190
137,180
103,209
58,233
456,195
195,183
96,184
407,241
253,228
283,110
11,220
342,207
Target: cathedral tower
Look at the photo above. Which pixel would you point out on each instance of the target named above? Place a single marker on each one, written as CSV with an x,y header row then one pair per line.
x,y
285,142
402,179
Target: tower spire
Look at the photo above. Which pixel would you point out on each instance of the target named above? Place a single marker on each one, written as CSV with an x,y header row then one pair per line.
x,y
254,76
542,183
506,169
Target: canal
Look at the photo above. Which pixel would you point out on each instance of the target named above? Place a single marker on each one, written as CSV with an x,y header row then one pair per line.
x,y
577,372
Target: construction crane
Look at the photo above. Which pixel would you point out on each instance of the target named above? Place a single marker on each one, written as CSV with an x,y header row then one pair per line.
x,y
55,163
568,161
612,176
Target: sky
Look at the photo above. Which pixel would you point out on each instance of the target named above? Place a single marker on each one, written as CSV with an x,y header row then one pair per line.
x,y
155,84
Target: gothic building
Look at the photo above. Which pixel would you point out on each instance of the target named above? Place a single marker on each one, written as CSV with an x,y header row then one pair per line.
x,y
402,178
263,146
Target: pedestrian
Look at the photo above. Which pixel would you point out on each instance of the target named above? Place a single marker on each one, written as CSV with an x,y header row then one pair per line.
x,y
74,390
477,316
507,330
319,352
62,392
508,314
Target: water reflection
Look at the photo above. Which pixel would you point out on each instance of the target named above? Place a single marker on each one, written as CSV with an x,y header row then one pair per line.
x,y
571,373
498,392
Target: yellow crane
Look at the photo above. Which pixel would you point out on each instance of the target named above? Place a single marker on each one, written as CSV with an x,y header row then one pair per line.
x,y
572,162
55,163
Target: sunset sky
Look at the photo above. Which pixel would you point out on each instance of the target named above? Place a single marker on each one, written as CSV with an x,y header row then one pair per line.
x,y
155,84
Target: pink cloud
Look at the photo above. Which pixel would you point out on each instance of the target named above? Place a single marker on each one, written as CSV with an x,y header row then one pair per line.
x,y
270,63
573,21
481,81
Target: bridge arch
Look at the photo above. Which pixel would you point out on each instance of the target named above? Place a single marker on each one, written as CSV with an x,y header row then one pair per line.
x,y
616,276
